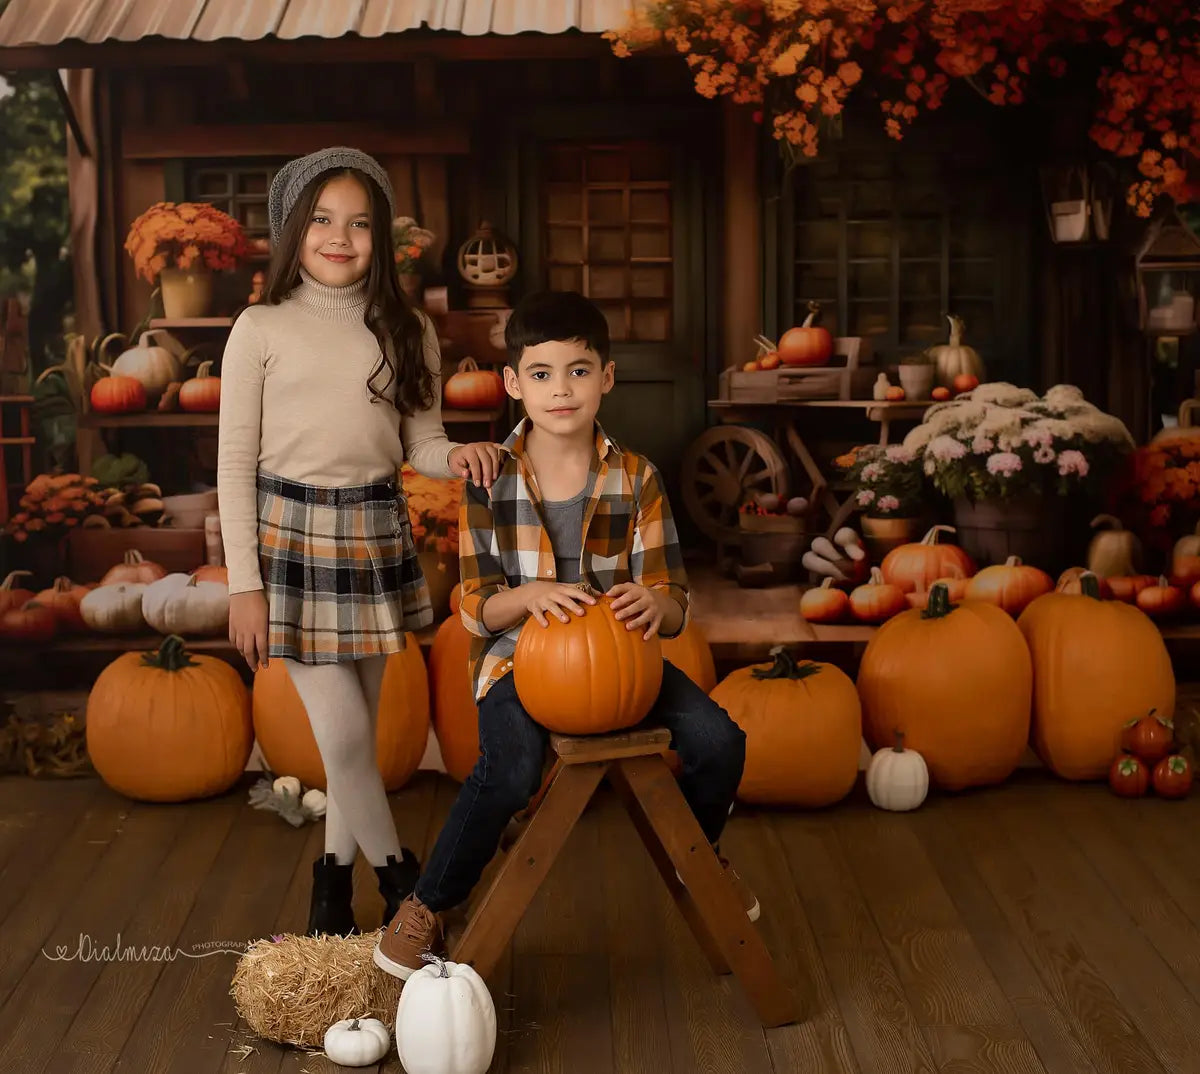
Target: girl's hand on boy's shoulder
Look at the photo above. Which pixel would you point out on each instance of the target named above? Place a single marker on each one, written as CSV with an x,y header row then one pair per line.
x,y
636,607
478,463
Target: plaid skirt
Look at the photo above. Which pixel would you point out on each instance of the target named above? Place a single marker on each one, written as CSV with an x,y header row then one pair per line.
x,y
339,569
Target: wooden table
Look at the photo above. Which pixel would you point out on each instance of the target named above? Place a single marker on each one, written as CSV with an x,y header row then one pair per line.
x,y
786,416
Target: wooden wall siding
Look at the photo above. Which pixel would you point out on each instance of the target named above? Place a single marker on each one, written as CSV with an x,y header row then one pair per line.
x,y
741,264
83,181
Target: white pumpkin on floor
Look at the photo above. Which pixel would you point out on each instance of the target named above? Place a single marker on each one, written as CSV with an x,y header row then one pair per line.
x,y
357,1042
179,604
897,779
445,1021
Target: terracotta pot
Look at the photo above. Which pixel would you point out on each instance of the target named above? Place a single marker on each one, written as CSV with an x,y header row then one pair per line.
x,y
185,292
881,535
917,380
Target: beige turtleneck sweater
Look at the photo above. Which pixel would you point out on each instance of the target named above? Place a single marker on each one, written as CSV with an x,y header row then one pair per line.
x,y
294,402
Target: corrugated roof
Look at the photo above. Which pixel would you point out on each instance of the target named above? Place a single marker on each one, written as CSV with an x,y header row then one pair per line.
x,y
51,22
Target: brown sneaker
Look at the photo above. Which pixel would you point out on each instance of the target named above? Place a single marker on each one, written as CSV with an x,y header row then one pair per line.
x,y
414,929
747,897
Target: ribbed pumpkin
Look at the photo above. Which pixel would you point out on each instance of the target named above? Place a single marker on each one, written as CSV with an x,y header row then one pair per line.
x,y
167,726
1096,665
690,652
803,725
807,344
914,567
1010,585
957,681
472,388
11,595
402,732
63,599
455,715
588,675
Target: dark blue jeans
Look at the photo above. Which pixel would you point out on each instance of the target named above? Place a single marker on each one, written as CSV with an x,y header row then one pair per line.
x,y
512,748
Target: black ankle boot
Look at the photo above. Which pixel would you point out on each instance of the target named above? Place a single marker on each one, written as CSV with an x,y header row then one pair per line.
x,y
330,911
397,880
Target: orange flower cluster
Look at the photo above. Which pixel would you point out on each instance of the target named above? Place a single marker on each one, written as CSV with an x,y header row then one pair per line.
x,y
184,235
1158,495
433,510
800,60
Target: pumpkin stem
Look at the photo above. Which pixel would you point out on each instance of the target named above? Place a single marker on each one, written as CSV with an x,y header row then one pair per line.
x,y
1013,561
8,580
939,605
899,746
170,656
467,365
1107,520
956,329
932,536
1089,585
429,956
814,311
353,1025
785,667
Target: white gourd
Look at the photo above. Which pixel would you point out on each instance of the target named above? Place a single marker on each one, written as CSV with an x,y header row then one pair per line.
x,y
287,785
315,802
897,779
153,362
179,604
955,357
357,1042
114,609
445,1022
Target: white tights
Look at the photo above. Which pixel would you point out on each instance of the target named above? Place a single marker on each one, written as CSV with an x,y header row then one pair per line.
x,y
342,701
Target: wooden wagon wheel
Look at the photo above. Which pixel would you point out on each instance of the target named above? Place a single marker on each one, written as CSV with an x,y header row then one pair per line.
x,y
722,468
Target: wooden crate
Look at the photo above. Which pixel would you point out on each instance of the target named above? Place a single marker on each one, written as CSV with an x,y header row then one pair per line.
x,y
847,376
91,552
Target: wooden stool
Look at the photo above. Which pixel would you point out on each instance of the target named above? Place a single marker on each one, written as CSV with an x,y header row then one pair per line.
x,y
633,763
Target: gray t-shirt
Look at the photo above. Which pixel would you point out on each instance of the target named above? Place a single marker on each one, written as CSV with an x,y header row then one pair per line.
x,y
564,525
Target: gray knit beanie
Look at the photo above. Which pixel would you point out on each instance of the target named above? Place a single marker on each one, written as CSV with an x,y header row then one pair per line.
x,y
295,175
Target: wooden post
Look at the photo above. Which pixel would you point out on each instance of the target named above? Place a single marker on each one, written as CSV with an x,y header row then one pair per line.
x,y
742,282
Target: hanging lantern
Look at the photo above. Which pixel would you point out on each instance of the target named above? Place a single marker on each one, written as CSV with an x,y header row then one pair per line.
x,y
487,261
1168,278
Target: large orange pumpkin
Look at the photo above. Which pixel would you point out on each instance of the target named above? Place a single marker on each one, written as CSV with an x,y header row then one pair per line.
x,y
167,726
1096,665
455,714
914,567
957,680
690,652
1010,585
803,725
807,344
402,732
588,675
472,388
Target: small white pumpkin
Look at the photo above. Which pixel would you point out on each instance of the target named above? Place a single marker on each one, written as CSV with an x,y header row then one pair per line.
x,y
445,1022
1113,552
955,358
114,609
154,361
179,604
314,801
357,1042
897,779
287,785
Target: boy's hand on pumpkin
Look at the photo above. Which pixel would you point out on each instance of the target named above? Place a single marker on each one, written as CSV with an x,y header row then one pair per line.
x,y
479,463
554,598
637,607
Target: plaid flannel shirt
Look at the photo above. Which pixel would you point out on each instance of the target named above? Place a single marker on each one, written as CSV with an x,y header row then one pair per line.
x,y
628,536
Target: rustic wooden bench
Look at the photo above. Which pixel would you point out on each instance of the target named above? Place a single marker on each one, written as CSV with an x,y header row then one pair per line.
x,y
634,764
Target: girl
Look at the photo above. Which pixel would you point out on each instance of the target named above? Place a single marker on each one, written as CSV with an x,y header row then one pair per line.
x,y
328,384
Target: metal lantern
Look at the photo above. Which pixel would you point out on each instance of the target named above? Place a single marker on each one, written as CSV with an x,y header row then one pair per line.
x,y
487,261
1168,278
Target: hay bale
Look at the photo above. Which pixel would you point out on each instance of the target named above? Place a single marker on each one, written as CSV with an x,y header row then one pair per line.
x,y
292,989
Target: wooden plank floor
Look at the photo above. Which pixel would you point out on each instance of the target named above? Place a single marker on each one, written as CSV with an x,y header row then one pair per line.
x,y
1039,928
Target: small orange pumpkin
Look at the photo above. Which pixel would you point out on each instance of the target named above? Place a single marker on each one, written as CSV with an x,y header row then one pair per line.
x,y
803,725
877,600
1010,585
209,573
116,394
1126,587
472,388
894,394
10,595
809,344
202,393
1071,582
1161,600
134,568
31,624
588,675
824,603
63,599
916,566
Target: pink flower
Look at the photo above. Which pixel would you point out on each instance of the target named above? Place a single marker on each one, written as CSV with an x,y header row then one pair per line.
x,y
888,503
1044,455
981,445
899,453
946,449
1072,462
865,498
1004,463
871,471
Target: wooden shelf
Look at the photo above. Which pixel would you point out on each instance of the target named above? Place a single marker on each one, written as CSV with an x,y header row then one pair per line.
x,y
150,419
191,322
469,417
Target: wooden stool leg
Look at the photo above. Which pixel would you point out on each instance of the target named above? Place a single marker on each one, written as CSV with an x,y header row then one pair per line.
x,y
666,869
501,908
676,828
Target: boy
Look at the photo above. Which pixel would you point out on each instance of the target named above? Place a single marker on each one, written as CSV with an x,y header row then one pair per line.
x,y
568,505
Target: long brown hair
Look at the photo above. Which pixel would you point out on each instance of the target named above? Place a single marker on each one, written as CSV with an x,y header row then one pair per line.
x,y
388,314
